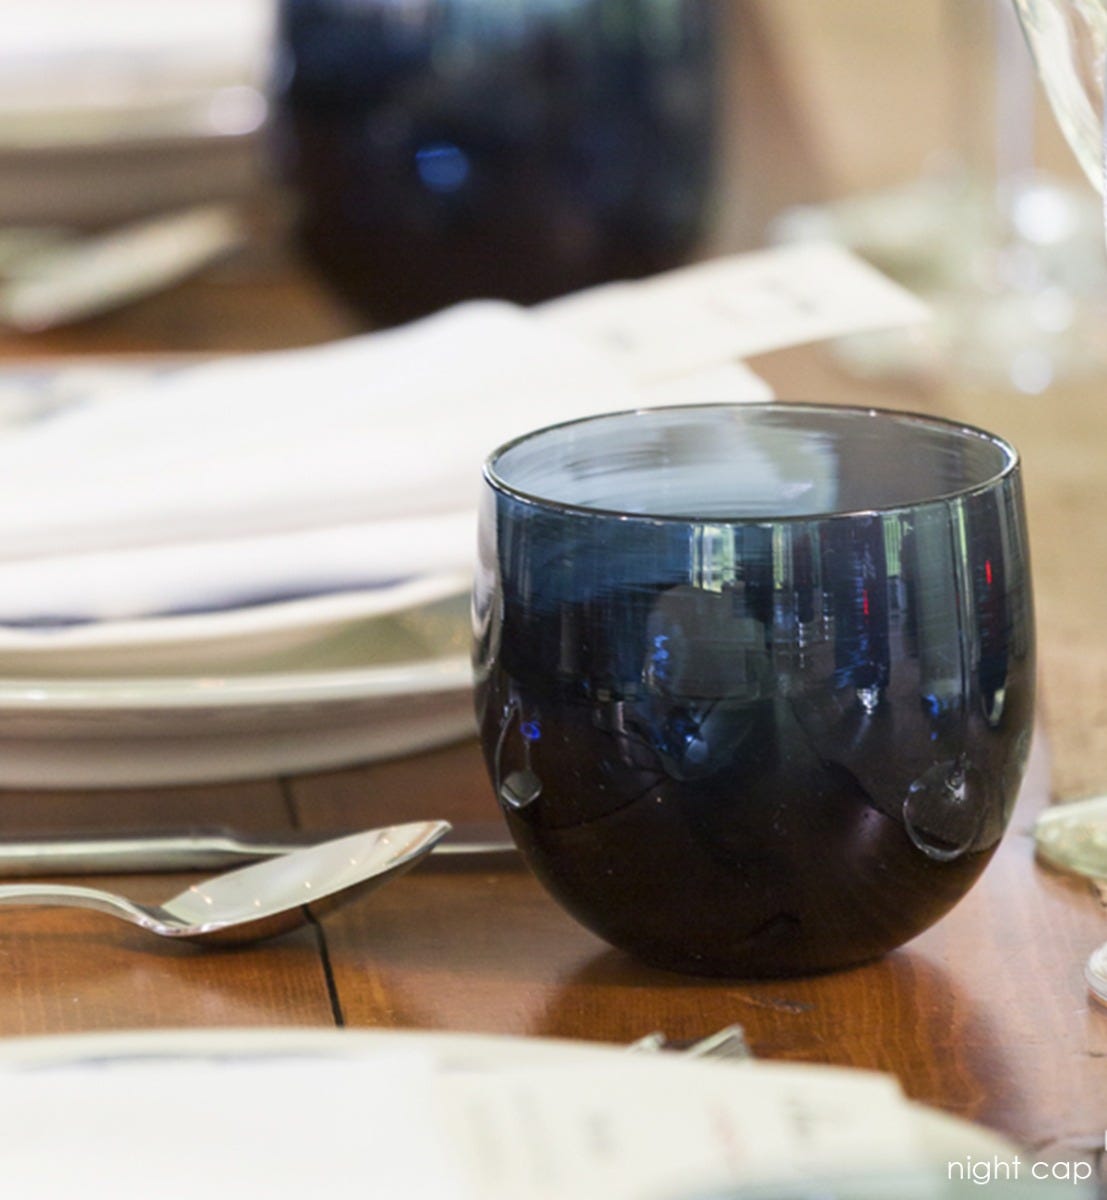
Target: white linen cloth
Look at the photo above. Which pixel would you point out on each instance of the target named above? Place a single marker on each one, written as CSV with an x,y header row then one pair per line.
x,y
344,466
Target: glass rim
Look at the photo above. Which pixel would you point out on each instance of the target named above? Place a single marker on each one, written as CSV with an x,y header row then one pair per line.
x,y
945,425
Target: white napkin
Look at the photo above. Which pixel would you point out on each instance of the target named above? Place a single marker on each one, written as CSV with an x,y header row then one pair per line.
x,y
358,464
272,475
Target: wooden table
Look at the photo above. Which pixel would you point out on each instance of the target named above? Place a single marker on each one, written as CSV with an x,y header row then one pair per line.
x,y
985,1015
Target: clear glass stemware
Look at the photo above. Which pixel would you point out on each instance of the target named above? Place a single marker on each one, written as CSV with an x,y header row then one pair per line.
x,y
1068,39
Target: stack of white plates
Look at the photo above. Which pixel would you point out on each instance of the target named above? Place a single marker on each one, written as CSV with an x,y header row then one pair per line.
x,y
282,687
286,687
121,108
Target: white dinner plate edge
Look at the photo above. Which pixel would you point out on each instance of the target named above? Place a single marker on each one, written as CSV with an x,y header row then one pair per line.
x,y
284,689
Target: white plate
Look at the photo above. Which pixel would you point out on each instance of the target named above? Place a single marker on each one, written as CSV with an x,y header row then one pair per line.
x,y
251,692
74,76
375,689
228,640
331,1091
251,637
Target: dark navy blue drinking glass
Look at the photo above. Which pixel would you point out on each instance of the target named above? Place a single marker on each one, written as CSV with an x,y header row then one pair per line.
x,y
441,150
755,682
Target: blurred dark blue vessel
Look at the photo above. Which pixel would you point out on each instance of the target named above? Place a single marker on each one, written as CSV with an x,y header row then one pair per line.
x,y
522,149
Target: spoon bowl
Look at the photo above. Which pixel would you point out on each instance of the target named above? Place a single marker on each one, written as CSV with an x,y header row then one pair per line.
x,y
260,900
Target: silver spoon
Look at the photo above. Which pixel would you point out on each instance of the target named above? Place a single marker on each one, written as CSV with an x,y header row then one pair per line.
x,y
260,900
62,282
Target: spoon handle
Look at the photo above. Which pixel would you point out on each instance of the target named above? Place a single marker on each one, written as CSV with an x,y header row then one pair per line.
x,y
199,850
62,895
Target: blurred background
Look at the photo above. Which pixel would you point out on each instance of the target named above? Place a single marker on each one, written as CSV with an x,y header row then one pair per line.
x,y
370,160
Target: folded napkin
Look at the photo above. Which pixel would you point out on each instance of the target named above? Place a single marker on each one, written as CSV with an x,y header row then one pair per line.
x,y
291,473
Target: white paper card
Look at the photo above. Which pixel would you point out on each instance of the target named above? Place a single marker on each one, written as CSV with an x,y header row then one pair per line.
x,y
736,307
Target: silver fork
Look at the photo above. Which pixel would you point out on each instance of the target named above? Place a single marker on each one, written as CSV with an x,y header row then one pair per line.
x,y
728,1042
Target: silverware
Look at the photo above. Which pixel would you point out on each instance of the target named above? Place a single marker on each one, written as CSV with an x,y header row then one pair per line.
x,y
728,1042
260,900
199,850
61,281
